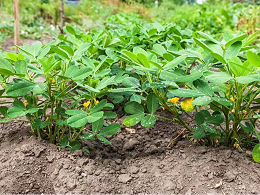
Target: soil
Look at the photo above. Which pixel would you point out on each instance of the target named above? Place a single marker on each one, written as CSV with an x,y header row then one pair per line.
x,y
138,161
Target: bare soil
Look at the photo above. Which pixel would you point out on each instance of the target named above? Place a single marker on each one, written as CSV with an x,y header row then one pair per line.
x,y
138,161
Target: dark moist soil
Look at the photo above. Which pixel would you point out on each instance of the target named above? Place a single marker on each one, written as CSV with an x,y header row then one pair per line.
x,y
138,161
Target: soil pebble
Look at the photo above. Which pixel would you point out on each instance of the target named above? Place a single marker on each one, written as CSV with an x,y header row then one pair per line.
x,y
124,178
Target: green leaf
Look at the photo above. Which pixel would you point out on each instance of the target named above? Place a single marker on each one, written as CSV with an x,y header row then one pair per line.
x,y
88,136
34,69
248,79
130,55
99,106
74,145
78,120
165,75
256,153
237,67
119,90
110,130
105,82
103,139
6,120
215,119
95,116
199,118
137,98
207,37
253,58
251,38
68,49
15,112
222,101
12,56
19,104
87,87
64,142
159,49
208,49
70,30
63,55
96,126
188,78
144,60
75,112
3,111
152,103
133,119
44,52
131,82
235,39
39,88
203,87
199,133
76,73
200,101
35,48
218,77
6,67
148,121
185,93
138,50
233,50
247,127
174,63
109,115
31,110
19,89
20,67
133,108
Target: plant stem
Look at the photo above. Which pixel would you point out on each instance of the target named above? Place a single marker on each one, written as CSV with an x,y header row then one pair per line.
x,y
76,137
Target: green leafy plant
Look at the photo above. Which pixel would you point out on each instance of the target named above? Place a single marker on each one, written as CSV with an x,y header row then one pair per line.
x,y
56,90
67,88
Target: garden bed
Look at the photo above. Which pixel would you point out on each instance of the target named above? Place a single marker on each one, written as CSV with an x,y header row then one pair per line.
x,y
138,161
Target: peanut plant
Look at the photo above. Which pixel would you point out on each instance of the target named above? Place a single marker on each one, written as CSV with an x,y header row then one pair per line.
x,y
66,90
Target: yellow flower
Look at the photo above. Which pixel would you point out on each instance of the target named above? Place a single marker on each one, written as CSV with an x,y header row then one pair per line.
x,y
231,99
52,80
187,105
86,104
236,145
96,101
25,104
174,100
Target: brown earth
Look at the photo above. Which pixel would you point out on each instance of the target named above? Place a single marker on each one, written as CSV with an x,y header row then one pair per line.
x,y
138,161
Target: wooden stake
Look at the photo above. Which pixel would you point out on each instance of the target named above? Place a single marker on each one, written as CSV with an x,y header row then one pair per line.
x,y
16,23
62,15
